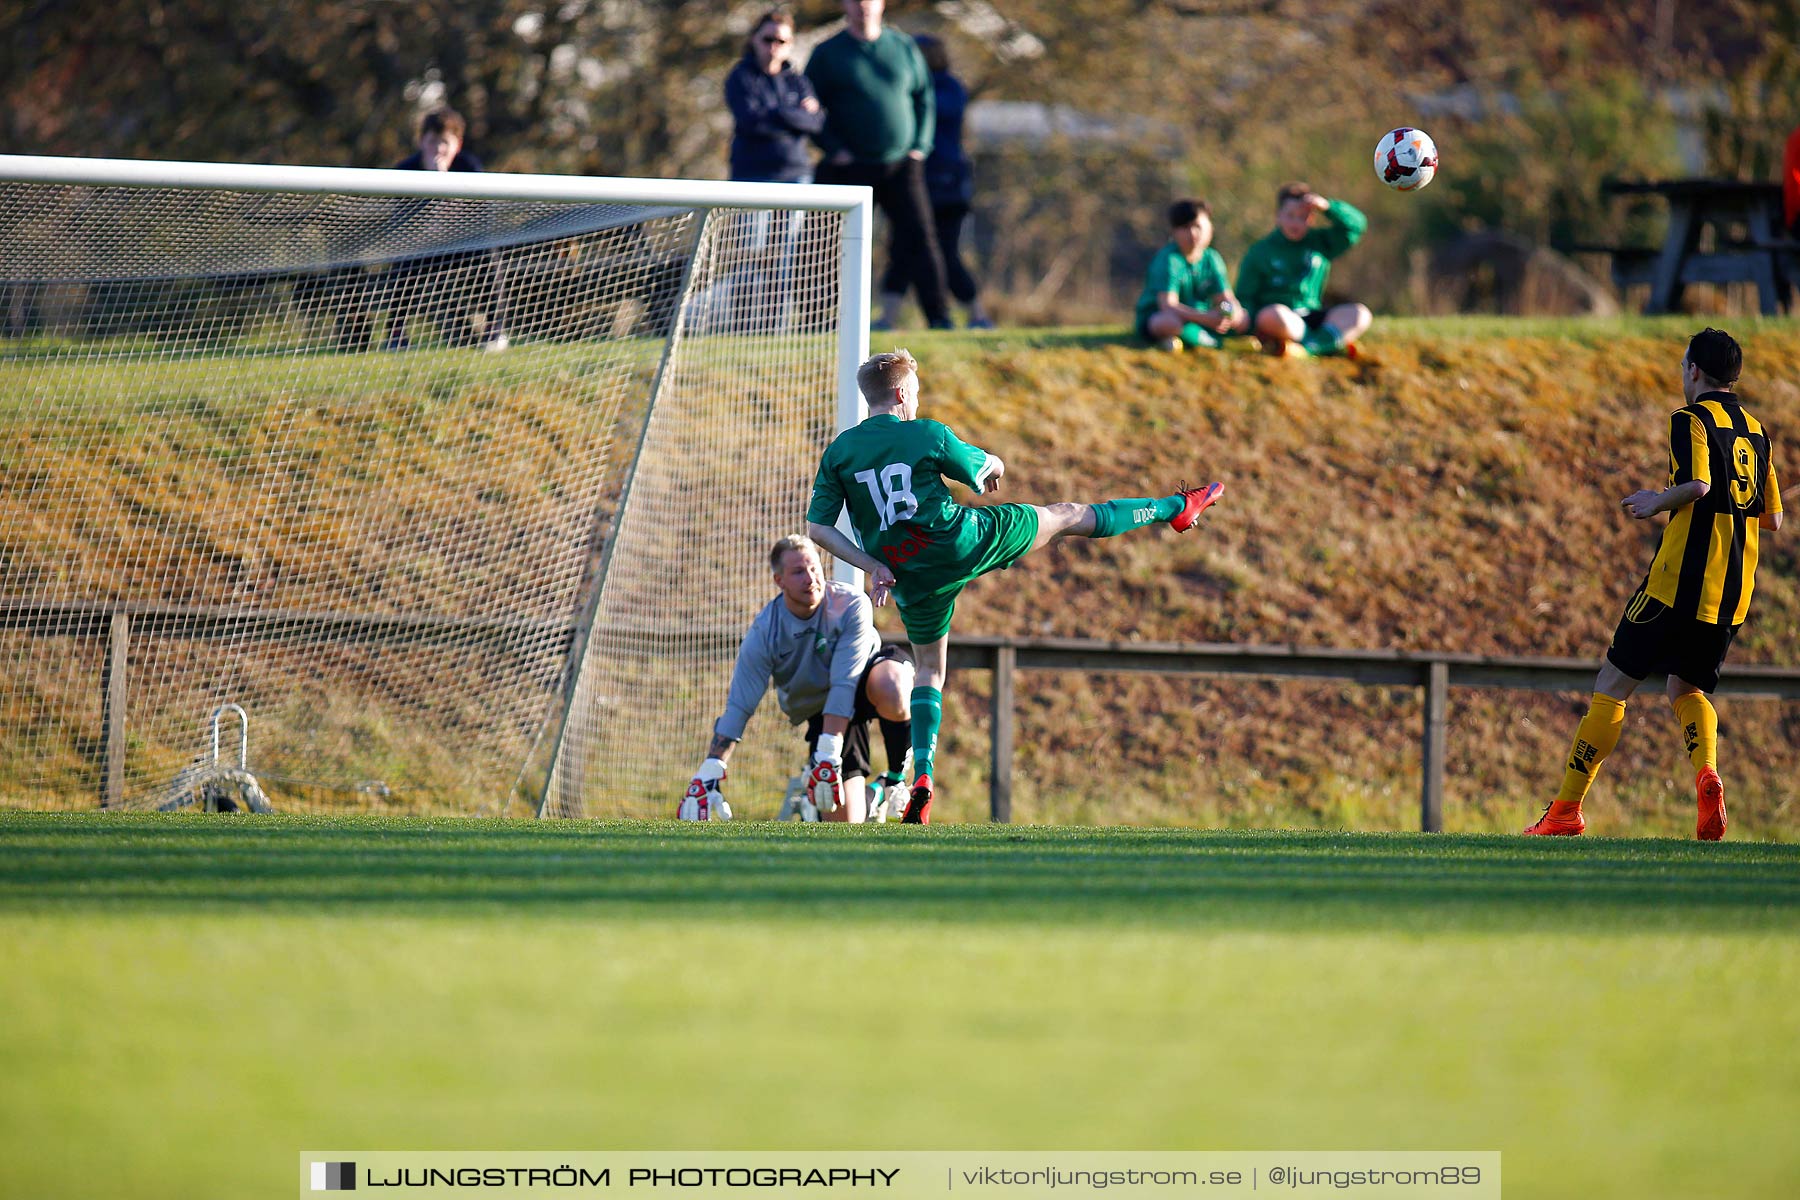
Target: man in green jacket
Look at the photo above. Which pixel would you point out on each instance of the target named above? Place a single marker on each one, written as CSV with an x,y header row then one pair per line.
x,y
1281,280
880,124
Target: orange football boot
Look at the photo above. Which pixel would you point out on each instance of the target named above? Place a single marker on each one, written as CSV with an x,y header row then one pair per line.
x,y
1560,819
1194,501
1709,790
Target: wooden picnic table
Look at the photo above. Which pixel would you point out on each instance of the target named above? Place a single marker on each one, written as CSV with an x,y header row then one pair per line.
x,y
1760,254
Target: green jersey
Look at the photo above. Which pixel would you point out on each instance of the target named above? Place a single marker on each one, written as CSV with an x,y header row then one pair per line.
x,y
890,474
1276,270
1194,283
878,98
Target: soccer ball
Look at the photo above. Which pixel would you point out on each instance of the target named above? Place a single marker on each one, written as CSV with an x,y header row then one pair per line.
x,y
1406,159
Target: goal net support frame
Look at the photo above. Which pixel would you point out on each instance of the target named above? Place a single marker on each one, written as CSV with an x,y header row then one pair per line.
x,y
571,740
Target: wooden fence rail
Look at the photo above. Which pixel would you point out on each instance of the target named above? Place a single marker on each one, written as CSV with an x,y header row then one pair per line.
x,y
1433,671
120,624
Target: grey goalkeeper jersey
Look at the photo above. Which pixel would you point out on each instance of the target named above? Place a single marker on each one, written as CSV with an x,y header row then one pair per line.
x,y
814,664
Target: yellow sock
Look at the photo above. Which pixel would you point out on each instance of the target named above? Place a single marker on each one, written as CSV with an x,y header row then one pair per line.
x,y
1594,740
1699,729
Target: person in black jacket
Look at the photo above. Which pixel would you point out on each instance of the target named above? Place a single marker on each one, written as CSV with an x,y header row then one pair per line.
x,y
773,107
441,134
775,113
950,184
445,285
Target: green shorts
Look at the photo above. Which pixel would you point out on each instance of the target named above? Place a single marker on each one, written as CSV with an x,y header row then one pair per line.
x,y
926,596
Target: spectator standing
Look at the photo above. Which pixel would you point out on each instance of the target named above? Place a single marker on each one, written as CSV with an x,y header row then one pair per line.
x,y
950,186
880,122
774,114
773,107
440,147
445,284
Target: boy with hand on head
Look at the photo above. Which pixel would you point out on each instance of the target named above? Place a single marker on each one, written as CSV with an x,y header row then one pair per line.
x,y
1282,278
1187,298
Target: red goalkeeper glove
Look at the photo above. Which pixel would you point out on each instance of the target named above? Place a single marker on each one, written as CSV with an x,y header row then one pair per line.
x,y
705,799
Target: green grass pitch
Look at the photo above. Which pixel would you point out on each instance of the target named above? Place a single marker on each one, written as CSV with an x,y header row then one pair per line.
x,y
187,1002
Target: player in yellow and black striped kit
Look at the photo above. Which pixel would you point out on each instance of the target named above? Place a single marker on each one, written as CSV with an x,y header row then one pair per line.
x,y
1722,493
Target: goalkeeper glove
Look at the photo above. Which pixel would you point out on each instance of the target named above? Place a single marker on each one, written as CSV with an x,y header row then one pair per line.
x,y
826,785
826,782
705,799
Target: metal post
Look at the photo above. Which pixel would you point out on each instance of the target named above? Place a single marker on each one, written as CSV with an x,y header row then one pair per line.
x,y
1683,236
566,775
855,257
1431,787
1006,659
1763,226
112,713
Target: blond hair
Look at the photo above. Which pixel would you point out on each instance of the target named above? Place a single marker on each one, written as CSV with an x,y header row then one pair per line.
x,y
878,377
793,541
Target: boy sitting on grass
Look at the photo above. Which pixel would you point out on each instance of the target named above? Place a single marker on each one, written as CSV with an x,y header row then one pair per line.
x,y
1282,277
1187,298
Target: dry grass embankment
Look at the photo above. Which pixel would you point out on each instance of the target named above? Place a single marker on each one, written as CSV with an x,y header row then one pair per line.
x,y
1456,489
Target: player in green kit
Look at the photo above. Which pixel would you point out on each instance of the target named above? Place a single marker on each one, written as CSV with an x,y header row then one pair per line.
x,y
919,544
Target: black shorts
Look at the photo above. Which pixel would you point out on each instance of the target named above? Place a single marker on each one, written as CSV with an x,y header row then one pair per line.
x,y
856,737
1652,640
1313,317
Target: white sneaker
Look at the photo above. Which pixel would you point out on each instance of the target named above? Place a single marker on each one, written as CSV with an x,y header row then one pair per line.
x,y
797,805
886,801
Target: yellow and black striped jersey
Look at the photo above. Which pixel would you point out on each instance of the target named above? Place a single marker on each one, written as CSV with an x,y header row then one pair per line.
x,y
1706,565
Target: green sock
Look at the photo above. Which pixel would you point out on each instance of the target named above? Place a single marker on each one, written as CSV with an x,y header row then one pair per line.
x,y
927,715
1113,517
1323,340
1195,337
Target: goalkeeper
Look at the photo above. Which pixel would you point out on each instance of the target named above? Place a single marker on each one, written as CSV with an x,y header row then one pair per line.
x,y
817,642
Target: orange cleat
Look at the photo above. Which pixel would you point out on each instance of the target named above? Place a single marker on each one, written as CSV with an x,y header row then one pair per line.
x,y
1709,790
919,811
1194,502
1560,819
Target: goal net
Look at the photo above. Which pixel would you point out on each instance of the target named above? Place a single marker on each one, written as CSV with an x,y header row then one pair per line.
x,y
401,491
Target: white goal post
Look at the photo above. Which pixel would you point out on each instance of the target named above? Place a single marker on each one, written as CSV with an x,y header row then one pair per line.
x,y
457,488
